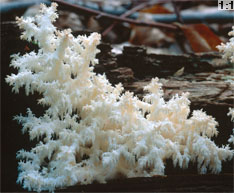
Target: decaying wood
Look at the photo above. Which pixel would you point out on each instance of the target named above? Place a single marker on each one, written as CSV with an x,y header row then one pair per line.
x,y
205,75
201,93
170,183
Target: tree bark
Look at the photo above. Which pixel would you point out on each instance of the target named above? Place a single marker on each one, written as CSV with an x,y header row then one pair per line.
x,y
207,77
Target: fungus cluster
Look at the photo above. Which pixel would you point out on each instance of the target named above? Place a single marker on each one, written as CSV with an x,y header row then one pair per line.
x,y
93,131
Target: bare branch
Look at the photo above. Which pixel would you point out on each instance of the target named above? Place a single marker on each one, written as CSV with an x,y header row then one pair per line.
x,y
74,7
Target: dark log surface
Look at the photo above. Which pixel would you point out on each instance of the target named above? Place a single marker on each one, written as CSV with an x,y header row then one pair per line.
x,y
134,68
170,183
205,75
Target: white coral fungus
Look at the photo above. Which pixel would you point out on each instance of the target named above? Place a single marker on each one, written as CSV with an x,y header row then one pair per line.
x,y
231,113
228,48
93,130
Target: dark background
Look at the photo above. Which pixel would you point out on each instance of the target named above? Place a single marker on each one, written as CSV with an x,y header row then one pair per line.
x,y
12,139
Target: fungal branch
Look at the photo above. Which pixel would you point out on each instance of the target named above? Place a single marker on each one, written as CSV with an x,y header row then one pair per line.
x,y
91,130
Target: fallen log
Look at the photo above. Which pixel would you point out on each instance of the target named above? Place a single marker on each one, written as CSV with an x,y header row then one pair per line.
x,y
170,183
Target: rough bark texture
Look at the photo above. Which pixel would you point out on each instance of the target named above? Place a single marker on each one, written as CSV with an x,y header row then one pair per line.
x,y
206,82
170,183
204,76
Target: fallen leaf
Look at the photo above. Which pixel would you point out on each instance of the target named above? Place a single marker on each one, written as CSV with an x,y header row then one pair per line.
x,y
149,36
200,37
156,9
93,24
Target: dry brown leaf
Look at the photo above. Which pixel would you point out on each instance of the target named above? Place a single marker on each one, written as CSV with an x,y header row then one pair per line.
x,y
200,37
93,24
149,36
205,32
156,9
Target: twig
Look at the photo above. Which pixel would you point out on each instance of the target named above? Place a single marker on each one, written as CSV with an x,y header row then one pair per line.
x,y
129,12
177,11
115,18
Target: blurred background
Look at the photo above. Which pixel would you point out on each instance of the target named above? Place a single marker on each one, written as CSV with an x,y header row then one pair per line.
x,y
198,25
